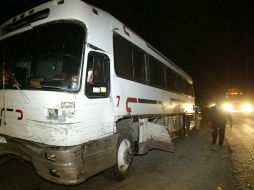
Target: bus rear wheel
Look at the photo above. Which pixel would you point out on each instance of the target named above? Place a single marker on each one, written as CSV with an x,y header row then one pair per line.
x,y
124,158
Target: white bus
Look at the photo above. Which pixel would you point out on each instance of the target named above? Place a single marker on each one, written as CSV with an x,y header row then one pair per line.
x,y
81,93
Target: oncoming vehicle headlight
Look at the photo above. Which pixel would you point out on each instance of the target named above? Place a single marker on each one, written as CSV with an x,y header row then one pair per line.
x,y
227,107
247,107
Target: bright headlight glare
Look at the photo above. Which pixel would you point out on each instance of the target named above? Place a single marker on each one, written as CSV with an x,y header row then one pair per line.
x,y
188,107
212,104
246,107
227,107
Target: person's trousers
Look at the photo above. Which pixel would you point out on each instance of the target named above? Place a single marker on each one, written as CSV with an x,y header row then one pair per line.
x,y
218,130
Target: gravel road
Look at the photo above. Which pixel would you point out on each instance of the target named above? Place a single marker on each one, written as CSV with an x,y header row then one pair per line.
x,y
241,140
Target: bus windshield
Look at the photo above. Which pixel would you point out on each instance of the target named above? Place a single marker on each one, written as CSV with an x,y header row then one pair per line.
x,y
47,57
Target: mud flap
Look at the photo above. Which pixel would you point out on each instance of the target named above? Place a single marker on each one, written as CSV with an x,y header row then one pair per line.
x,y
160,137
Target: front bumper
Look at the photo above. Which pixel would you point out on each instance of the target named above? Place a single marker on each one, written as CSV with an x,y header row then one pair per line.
x,y
63,165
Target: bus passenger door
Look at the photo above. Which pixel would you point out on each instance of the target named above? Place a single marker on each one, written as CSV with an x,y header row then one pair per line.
x,y
97,90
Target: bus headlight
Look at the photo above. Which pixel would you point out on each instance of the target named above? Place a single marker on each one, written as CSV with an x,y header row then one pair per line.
x,y
246,107
68,105
227,107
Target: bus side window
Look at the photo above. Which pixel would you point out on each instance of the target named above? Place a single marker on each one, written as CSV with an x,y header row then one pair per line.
x,y
97,76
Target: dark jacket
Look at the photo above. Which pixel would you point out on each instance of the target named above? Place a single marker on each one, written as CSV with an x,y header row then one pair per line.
x,y
218,117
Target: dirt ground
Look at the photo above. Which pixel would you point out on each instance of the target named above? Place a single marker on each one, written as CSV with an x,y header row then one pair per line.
x,y
193,166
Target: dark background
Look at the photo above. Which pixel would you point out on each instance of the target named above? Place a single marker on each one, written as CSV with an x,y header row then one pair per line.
x,y
212,40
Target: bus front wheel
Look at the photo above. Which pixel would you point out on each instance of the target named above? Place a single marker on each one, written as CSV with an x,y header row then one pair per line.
x,y
124,158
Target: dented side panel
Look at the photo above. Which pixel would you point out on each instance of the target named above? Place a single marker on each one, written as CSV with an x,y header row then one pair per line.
x,y
71,126
152,135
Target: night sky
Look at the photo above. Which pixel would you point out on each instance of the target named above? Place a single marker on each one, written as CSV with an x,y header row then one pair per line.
x,y
212,40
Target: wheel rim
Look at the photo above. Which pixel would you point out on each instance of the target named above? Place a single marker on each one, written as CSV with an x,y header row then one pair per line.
x,y
124,155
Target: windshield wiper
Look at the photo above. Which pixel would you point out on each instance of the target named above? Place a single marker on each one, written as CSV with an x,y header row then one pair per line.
x,y
17,85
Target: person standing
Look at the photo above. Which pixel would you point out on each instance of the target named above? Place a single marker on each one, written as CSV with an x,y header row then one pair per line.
x,y
217,119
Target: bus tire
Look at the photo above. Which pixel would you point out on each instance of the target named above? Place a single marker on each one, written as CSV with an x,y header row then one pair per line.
x,y
124,158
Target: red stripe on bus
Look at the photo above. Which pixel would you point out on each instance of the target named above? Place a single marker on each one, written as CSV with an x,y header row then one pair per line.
x,y
2,111
21,114
128,100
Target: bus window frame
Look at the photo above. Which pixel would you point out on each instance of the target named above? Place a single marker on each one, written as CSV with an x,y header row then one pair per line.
x,y
106,85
